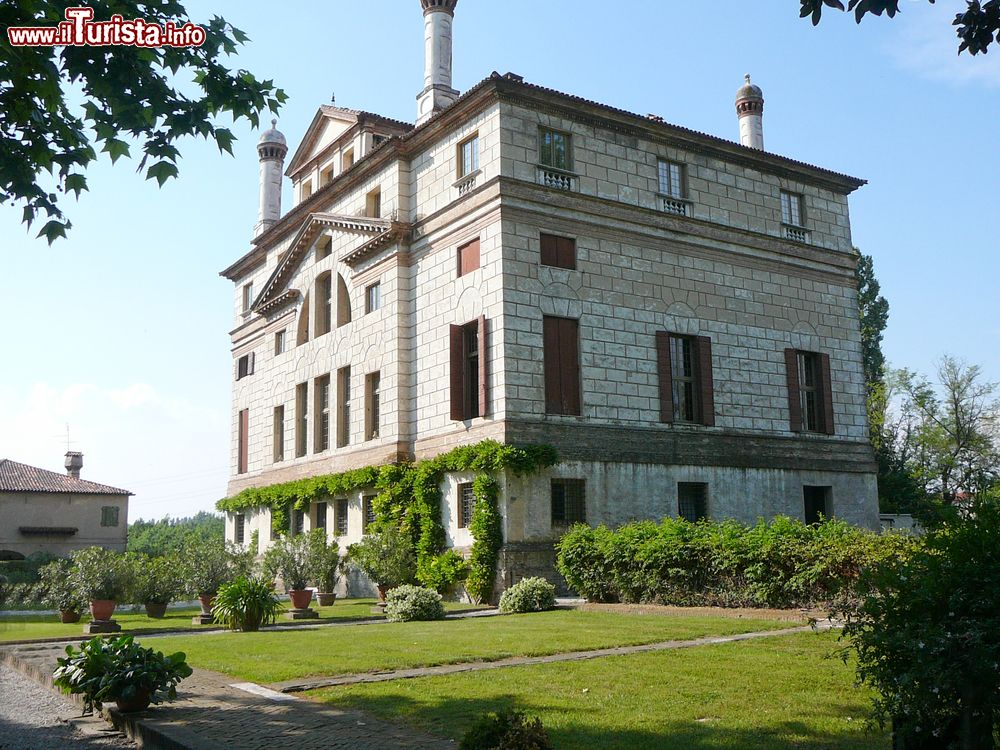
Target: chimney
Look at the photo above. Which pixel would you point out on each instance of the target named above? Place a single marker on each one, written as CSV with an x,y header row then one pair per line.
x,y
271,149
74,462
439,15
750,110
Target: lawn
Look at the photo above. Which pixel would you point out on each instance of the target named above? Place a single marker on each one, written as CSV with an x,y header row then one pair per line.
x,y
770,694
278,656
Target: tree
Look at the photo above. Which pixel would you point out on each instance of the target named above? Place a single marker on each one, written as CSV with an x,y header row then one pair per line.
x,y
60,105
977,27
155,538
874,314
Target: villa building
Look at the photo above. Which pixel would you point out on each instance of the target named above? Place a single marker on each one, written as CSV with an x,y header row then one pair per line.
x,y
675,312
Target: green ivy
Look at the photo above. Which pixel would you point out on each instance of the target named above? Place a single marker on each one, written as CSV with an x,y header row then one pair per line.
x,y
409,496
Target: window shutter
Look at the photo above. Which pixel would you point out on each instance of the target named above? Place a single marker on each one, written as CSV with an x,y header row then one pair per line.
x,y
457,366
468,257
569,355
706,383
244,428
794,405
484,394
251,364
665,375
549,249
566,253
826,385
551,361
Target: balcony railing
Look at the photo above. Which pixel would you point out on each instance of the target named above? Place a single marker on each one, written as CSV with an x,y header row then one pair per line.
x,y
796,234
556,178
672,205
467,183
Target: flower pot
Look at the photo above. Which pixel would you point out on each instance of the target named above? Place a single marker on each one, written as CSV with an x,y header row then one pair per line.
x,y
102,609
251,624
138,702
325,599
69,615
206,601
382,591
156,610
300,598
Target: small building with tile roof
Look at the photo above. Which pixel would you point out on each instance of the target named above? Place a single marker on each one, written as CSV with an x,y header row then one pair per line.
x,y
45,511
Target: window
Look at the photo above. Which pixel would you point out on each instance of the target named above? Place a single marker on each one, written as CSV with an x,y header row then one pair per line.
x,y
321,423
373,204
692,501
240,527
469,387
244,366
378,140
324,248
340,516
817,503
326,176
367,512
243,440
810,401
344,410
553,149
558,251
247,297
561,355
343,303
307,189
791,209
279,433
347,161
373,297
671,176
468,156
109,515
373,385
468,257
568,505
301,418
321,515
279,342
324,301
684,367
298,522
466,502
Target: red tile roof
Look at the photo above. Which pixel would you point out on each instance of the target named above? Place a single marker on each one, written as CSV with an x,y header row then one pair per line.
x,y
15,477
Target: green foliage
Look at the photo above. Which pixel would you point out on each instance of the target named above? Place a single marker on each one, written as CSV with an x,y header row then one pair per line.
x,y
27,570
406,603
291,559
528,595
441,573
98,573
926,635
506,730
104,670
246,604
487,534
206,564
52,131
874,317
782,563
170,535
385,556
324,561
57,587
155,580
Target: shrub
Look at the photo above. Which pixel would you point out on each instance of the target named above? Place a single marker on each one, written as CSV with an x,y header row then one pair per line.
x,y
290,558
385,556
582,562
405,603
208,563
528,595
246,604
324,561
155,580
442,572
506,730
57,588
98,573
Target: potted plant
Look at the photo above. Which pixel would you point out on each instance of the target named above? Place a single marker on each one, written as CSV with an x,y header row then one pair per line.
x,y
207,564
386,557
290,559
119,670
325,559
58,590
100,577
246,604
156,581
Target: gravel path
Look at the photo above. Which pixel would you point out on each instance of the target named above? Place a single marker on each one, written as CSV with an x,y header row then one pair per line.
x,y
33,718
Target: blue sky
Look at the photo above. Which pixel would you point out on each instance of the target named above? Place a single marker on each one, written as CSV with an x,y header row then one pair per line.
x,y
121,330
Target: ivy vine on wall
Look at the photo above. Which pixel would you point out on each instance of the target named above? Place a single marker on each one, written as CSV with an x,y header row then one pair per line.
x,y
409,495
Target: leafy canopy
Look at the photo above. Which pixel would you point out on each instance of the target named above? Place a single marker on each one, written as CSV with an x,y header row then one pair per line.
x,y
61,106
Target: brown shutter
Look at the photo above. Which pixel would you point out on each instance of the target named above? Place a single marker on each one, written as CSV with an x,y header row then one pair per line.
x,y
566,253
484,392
244,428
569,355
706,382
551,363
457,365
794,404
665,373
549,249
826,384
468,257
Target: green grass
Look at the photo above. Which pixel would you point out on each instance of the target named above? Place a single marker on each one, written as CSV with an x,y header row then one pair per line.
x,y
278,656
770,694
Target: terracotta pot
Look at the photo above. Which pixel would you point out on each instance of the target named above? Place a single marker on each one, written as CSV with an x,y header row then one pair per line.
x,y
138,702
206,601
325,600
382,591
102,609
300,598
156,610
69,615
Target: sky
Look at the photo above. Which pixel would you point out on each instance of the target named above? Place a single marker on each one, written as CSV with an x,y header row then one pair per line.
x,y
118,336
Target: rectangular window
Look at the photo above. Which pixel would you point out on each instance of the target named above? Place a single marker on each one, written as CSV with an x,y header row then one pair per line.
x,y
243,442
301,418
468,156
321,508
468,257
559,252
279,342
347,160
344,406
298,522
568,502
373,297
244,366
816,500
466,503
791,209
692,501
109,515
553,149
340,516
671,179
373,385
809,390
469,389
247,297
684,369
810,401
367,512
321,422
373,204
684,385
279,433
561,360
324,304
240,525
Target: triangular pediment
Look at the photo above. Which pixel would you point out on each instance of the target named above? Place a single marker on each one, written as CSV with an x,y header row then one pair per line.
x,y
327,125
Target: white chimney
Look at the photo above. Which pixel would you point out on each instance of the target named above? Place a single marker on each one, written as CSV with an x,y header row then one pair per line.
x,y
74,462
271,148
750,110
439,15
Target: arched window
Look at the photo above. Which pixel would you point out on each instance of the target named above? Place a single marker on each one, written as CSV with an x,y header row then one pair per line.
x,y
9,554
324,300
343,303
303,332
